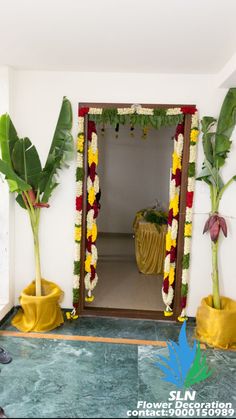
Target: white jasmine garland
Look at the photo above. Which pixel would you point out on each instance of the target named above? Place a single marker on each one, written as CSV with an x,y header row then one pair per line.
x,y
93,143
191,184
174,229
185,276
89,183
144,111
95,111
189,215
187,245
94,254
78,218
173,111
172,189
96,184
90,285
178,145
167,264
81,124
79,187
168,298
76,282
194,122
125,111
90,219
80,160
77,252
192,153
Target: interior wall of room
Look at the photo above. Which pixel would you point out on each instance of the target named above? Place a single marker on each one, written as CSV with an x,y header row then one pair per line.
x,y
7,296
133,173
37,99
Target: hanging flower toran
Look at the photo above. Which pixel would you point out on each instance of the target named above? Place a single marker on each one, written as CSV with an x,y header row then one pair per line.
x,y
173,218
91,277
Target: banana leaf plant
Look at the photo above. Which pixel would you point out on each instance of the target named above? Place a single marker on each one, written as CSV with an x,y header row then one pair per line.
x,y
20,163
216,142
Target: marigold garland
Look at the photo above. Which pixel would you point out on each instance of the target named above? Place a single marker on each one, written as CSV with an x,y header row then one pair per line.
x,y
157,118
170,260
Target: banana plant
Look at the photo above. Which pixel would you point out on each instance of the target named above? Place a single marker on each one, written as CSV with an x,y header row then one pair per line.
x,y
20,163
216,142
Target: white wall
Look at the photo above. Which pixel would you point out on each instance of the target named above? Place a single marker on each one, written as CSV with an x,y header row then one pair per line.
x,y
6,214
133,173
37,98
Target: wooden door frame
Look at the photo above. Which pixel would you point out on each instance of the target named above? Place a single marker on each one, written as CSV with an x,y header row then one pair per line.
x,y
130,313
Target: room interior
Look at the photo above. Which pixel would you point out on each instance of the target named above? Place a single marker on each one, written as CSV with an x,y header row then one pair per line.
x,y
134,172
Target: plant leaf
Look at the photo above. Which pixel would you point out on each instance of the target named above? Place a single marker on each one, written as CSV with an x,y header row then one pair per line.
x,y
225,126
26,162
8,138
61,150
14,181
207,122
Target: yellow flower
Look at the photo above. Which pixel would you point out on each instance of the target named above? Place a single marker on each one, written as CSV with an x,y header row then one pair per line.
x,y
174,204
78,234
171,275
194,135
80,143
94,232
168,241
176,163
166,274
91,196
88,263
188,230
173,243
89,233
92,157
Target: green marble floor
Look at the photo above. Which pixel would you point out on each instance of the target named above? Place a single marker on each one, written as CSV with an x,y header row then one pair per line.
x,y
60,379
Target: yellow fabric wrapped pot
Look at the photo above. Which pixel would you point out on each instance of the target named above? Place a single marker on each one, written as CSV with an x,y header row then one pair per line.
x,y
39,314
215,327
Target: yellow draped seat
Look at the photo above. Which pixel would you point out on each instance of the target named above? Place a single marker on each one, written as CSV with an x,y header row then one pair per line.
x,y
149,246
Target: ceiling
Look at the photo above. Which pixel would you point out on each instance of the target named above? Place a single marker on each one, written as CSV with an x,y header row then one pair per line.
x,y
156,36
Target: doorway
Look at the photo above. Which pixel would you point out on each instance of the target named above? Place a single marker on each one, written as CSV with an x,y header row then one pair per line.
x,y
124,289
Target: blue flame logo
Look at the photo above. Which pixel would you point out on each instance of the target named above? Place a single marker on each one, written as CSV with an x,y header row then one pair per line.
x,y
186,365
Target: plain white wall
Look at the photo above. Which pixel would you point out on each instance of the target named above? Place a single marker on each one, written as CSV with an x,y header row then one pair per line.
x,y
7,296
133,173
37,99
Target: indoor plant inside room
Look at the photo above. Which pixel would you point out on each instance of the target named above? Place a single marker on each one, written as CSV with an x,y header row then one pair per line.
x,y
20,163
216,316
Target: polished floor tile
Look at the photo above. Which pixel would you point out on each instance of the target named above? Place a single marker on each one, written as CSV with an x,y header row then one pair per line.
x,y
59,378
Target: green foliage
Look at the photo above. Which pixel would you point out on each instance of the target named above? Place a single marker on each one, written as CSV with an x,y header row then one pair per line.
x,y
156,217
60,152
199,370
216,142
20,160
16,184
157,120
26,163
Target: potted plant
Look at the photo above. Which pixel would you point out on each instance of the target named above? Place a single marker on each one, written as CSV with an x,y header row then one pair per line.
x,y
216,317
34,185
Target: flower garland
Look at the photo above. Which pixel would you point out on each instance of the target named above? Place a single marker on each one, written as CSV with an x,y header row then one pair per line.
x,y
91,277
188,217
173,221
170,260
78,215
159,117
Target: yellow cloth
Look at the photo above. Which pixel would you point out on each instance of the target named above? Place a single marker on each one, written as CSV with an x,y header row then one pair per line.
x,y
149,246
217,327
39,314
